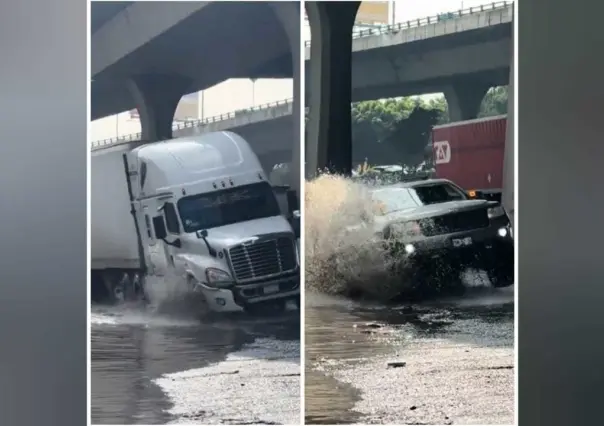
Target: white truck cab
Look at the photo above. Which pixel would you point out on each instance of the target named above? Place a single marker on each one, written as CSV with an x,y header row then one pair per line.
x,y
204,209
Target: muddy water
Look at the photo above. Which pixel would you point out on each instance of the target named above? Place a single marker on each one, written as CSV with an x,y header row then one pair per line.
x,y
159,369
458,355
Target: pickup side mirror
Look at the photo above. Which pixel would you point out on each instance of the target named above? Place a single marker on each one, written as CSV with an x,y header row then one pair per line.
x,y
159,226
294,221
292,201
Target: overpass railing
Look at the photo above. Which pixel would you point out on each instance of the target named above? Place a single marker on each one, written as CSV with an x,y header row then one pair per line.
x,y
434,19
133,137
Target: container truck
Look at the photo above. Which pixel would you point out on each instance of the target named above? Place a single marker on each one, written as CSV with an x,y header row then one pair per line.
x,y
200,208
472,154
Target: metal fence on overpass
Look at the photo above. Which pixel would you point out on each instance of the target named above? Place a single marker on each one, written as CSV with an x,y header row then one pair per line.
x,y
194,123
434,19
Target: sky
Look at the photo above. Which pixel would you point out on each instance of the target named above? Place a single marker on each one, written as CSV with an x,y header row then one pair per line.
x,y
405,10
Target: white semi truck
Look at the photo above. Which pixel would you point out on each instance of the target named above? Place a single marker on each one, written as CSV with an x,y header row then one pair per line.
x,y
198,207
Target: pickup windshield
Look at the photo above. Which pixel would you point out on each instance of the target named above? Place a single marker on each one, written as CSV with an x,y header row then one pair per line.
x,y
438,193
227,206
388,200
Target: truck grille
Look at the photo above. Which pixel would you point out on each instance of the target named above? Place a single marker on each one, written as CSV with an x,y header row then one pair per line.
x,y
456,222
263,258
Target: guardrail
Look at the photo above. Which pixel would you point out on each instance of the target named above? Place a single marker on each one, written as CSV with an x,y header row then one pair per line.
x,y
414,23
133,137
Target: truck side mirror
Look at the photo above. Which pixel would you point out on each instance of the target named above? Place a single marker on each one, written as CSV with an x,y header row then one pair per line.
x,y
159,226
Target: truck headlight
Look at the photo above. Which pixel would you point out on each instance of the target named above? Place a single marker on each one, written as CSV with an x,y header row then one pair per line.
x,y
218,278
495,212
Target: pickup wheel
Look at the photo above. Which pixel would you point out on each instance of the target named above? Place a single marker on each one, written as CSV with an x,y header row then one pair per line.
x,y
425,285
449,281
501,276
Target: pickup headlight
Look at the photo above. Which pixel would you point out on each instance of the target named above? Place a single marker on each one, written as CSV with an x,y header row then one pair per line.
x,y
218,278
495,212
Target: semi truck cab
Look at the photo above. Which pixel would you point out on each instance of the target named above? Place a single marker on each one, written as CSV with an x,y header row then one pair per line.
x,y
204,209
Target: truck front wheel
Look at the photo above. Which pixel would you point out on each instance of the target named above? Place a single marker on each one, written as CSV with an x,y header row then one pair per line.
x,y
501,275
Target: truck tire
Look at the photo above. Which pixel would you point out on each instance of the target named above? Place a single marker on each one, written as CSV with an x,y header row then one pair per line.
x,y
99,293
501,276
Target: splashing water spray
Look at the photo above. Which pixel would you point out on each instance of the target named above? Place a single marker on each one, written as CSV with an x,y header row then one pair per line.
x,y
344,252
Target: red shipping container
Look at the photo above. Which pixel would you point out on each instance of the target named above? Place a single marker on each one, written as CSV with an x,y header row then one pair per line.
x,y
470,153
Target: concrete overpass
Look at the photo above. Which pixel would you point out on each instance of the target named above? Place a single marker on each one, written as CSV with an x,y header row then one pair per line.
x,y
429,55
460,54
263,126
147,55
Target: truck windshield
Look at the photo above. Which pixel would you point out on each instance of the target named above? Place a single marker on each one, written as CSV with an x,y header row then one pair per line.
x,y
438,193
219,208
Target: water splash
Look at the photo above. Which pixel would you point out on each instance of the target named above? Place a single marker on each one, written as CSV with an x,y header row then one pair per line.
x,y
344,254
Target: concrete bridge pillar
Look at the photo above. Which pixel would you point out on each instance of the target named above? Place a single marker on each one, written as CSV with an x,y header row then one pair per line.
x,y
329,142
157,97
289,16
464,99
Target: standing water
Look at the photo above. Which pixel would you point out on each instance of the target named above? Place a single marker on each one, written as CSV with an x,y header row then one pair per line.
x,y
165,363
438,363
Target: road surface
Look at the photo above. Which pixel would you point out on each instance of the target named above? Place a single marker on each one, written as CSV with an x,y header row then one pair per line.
x,y
447,362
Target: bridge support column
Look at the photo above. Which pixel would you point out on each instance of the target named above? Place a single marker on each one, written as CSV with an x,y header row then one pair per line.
x,y
289,16
464,99
329,142
157,97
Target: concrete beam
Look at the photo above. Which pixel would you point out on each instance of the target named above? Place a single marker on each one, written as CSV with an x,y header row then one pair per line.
x,y
493,78
392,68
134,27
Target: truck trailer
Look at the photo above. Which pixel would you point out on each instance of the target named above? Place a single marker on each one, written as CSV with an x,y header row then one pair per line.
x,y
200,208
472,154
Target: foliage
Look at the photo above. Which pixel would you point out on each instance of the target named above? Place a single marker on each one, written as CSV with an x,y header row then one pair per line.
x,y
406,122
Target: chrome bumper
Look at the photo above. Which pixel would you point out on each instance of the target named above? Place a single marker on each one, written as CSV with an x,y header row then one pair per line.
x,y
235,299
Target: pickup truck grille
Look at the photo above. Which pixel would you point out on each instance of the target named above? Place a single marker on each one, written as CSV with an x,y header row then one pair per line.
x,y
264,258
455,222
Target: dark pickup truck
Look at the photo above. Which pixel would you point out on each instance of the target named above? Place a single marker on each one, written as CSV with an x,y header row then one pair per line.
x,y
437,231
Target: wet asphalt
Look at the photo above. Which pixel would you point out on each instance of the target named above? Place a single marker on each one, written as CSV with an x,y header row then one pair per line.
x,y
449,361
148,368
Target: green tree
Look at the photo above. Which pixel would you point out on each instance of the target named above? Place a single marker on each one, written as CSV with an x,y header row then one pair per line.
x,y
495,102
406,122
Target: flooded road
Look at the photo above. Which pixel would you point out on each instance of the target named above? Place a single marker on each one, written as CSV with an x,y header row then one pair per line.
x,y
447,362
154,369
